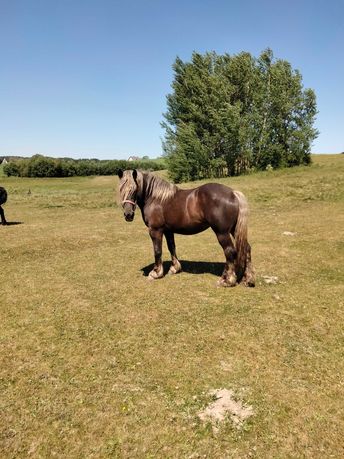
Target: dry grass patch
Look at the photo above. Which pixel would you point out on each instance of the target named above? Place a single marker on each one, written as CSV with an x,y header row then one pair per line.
x,y
98,362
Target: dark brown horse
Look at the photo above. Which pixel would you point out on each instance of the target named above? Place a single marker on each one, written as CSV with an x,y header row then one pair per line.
x,y
3,199
167,209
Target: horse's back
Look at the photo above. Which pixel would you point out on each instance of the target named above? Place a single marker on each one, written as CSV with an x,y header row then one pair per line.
x,y
215,195
217,190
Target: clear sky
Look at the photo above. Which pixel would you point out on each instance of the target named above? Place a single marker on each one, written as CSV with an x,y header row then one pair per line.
x,y
89,78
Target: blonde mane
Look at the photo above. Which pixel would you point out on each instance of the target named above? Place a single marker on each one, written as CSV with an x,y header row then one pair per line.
x,y
157,188
153,186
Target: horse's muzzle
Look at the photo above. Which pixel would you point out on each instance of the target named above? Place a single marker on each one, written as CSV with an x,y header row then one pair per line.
x,y
129,210
129,217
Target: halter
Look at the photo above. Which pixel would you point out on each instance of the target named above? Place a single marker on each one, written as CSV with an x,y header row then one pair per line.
x,y
130,202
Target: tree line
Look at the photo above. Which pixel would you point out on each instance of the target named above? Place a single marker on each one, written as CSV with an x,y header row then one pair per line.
x,y
229,115
42,166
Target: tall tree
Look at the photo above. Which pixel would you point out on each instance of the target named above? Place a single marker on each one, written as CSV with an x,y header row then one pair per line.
x,y
227,114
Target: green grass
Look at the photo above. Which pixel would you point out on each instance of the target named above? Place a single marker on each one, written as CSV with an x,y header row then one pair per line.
x,y
97,362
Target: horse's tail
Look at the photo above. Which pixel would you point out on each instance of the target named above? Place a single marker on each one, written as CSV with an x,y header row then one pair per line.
x,y
240,234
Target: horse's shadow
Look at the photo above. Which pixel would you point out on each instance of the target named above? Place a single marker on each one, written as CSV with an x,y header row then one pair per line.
x,y
12,223
191,267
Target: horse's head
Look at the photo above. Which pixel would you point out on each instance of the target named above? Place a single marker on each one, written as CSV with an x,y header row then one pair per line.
x,y
128,189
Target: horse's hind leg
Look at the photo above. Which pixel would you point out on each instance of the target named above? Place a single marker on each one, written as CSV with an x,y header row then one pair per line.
x,y
228,278
249,277
176,266
2,214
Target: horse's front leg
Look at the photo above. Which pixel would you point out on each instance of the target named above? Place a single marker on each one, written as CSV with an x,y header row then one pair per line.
x,y
158,270
176,266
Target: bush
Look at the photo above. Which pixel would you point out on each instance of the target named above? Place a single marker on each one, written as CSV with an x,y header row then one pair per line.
x,y
12,169
42,166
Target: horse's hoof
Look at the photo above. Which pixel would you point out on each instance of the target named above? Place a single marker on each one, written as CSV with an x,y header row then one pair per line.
x,y
153,275
249,281
231,282
174,270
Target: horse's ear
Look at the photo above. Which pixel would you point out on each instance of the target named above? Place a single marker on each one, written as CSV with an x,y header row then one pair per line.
x,y
120,173
134,174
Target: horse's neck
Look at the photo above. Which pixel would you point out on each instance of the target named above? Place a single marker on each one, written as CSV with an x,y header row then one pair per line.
x,y
146,192
142,195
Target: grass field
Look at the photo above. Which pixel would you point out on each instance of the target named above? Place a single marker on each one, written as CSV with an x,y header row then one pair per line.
x,y
97,362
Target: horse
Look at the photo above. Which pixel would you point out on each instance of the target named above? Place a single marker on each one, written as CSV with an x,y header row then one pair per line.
x,y
3,199
167,209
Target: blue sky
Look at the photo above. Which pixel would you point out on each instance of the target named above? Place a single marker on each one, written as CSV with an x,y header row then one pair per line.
x,y
85,78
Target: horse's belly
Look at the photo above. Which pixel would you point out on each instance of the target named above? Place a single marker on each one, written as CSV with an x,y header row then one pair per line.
x,y
189,229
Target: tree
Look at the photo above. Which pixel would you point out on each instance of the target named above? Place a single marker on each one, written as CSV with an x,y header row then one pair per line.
x,y
40,166
233,113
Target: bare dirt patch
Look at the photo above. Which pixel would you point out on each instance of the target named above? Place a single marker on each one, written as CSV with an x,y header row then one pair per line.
x,y
289,233
270,279
225,405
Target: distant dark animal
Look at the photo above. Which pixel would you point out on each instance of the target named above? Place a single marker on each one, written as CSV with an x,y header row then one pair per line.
x,y
167,209
3,199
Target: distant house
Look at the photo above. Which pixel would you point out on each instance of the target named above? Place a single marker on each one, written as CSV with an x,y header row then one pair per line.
x,y
133,158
